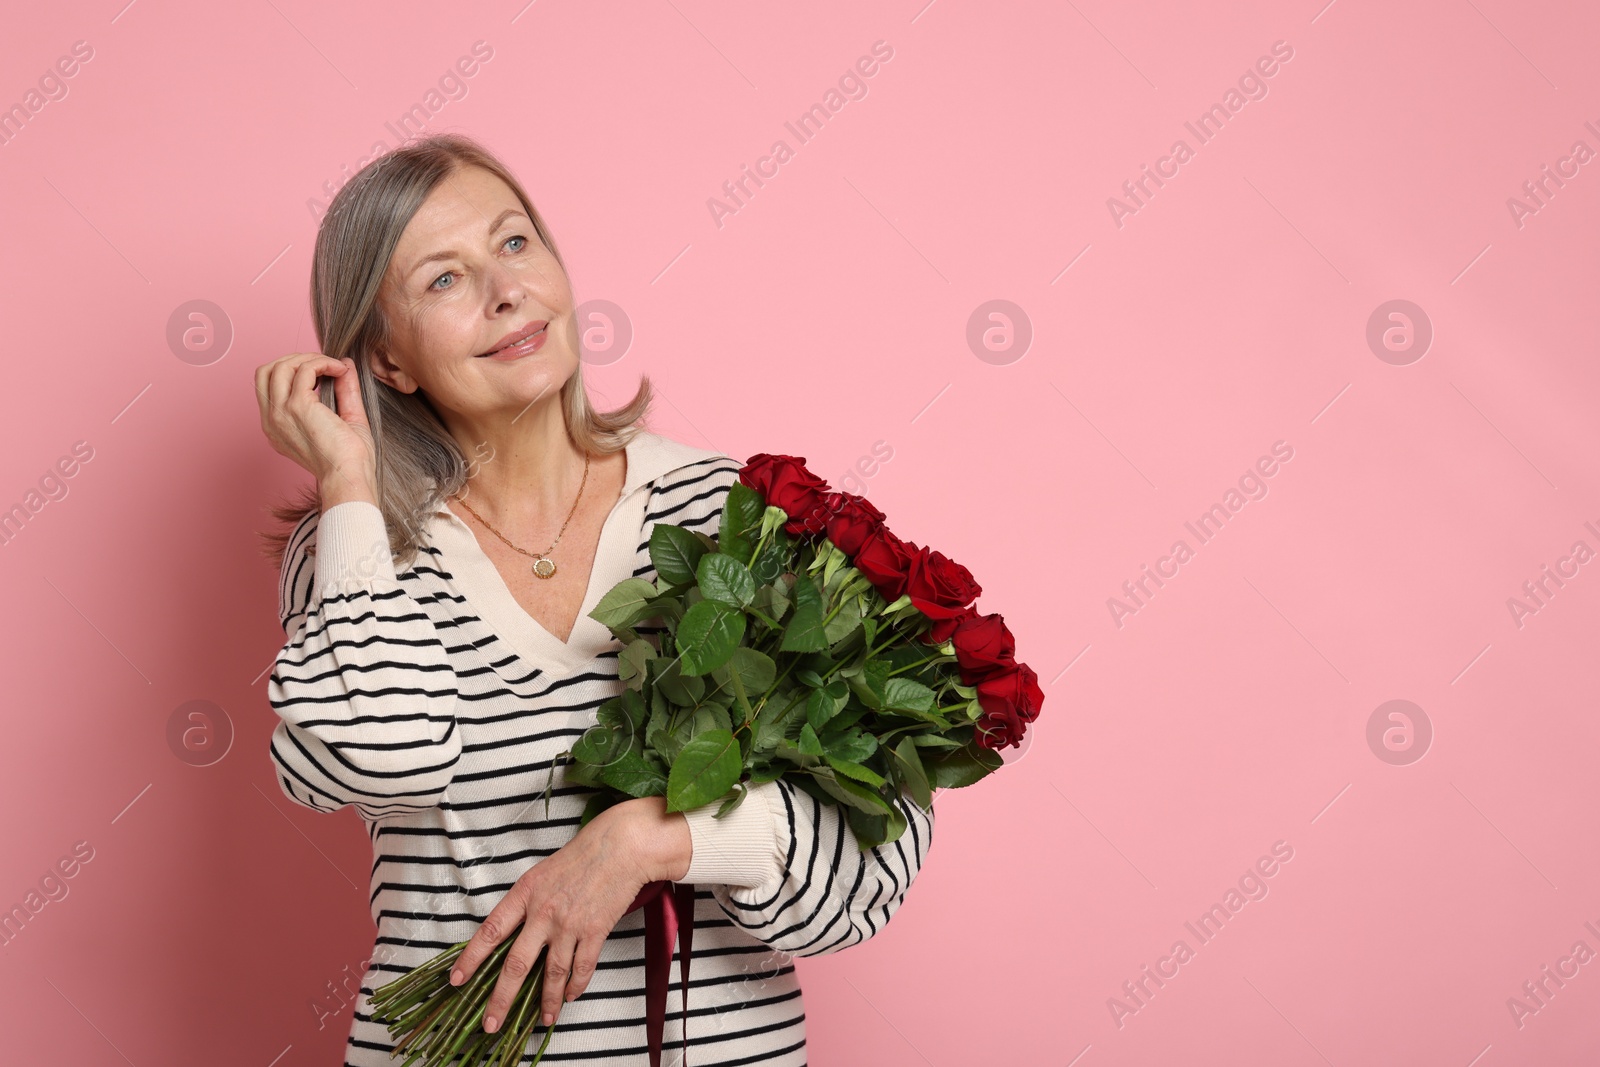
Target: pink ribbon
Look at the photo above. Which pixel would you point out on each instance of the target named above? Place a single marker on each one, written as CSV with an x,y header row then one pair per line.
x,y
668,917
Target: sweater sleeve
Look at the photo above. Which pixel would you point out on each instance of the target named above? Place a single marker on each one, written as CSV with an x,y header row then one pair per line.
x,y
814,891
363,689
741,848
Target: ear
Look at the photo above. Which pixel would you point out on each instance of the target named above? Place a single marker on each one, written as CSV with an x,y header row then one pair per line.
x,y
389,373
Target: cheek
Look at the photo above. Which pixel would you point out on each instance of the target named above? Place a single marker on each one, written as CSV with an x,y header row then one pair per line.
x,y
545,279
449,328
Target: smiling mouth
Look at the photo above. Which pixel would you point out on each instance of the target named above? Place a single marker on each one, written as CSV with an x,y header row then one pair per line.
x,y
523,345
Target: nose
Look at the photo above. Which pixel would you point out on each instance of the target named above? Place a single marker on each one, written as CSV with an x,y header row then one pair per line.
x,y
507,288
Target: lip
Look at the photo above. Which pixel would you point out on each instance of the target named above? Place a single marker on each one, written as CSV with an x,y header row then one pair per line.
x,y
516,337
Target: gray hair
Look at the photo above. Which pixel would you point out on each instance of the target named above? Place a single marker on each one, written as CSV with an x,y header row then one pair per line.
x,y
418,462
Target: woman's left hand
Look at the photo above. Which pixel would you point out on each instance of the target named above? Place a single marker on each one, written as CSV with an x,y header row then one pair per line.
x,y
571,901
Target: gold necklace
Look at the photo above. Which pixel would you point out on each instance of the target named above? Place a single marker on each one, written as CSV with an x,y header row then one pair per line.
x,y
543,565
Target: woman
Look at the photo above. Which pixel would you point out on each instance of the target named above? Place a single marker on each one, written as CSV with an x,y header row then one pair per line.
x,y
470,509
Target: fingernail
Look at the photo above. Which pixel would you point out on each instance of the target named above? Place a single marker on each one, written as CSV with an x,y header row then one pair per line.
x,y
490,1024
456,976
548,1018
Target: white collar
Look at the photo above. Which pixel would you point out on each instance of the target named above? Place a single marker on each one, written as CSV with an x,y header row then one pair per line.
x,y
650,457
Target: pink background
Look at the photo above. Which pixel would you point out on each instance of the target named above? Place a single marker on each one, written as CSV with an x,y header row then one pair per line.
x,y
830,313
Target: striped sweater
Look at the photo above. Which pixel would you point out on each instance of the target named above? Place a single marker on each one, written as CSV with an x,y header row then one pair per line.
x,y
433,704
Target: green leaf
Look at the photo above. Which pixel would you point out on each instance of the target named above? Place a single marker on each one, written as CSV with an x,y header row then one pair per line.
x,y
601,745
733,801
902,694
634,710
805,631
963,767
806,591
820,707
625,604
756,669
870,682
740,548
856,771
774,720
857,746
852,793
875,831
664,741
771,602
844,623
741,512
896,827
868,829
808,741
583,774
633,662
707,767
741,698
726,579
708,717
633,775
911,772
661,710
675,552
670,608
682,691
746,676
707,636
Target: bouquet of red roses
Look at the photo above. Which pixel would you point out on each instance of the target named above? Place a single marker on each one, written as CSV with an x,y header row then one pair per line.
x,y
805,641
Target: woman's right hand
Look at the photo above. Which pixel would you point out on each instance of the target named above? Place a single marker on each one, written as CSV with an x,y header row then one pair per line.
x,y
335,447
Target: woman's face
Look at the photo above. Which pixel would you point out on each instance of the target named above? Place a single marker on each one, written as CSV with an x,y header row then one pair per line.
x,y
469,272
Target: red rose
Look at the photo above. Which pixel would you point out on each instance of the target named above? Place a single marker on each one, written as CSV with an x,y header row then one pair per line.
x,y
940,631
849,519
983,646
784,482
940,587
1010,700
885,560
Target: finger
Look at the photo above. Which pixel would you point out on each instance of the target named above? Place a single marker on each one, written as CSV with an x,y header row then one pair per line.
x,y
303,379
518,963
281,376
557,973
275,386
496,925
347,392
584,961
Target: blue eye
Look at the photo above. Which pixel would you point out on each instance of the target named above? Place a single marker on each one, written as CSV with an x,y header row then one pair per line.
x,y
434,287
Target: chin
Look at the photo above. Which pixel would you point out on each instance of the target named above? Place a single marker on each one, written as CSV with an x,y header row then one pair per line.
x,y
536,377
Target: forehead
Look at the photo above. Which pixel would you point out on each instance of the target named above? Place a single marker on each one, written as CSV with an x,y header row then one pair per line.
x,y
459,209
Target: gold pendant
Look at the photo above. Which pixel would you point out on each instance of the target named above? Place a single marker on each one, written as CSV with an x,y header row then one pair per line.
x,y
544,566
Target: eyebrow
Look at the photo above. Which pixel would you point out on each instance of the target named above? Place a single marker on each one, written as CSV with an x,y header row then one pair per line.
x,y
452,254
